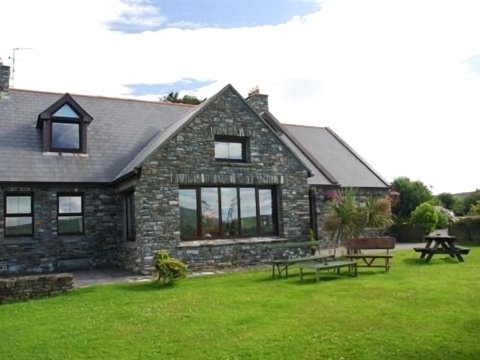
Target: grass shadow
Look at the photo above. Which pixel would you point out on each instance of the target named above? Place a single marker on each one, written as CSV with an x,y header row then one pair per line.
x,y
436,260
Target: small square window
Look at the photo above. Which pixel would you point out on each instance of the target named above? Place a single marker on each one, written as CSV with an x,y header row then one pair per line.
x,y
65,136
230,148
18,215
70,214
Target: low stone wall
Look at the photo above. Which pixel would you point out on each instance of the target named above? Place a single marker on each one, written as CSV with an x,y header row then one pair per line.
x,y
203,255
34,286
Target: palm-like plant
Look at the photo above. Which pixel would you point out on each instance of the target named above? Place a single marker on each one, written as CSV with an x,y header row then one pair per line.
x,y
348,218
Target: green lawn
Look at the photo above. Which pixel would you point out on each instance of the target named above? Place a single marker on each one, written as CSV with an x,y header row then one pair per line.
x,y
416,311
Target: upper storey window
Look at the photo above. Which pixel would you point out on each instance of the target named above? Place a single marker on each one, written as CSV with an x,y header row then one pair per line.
x,y
230,148
64,126
65,129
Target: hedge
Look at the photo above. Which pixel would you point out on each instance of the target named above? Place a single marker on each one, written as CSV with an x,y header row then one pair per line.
x,y
408,233
466,229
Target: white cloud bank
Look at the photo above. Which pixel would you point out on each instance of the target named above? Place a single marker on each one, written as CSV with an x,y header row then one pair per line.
x,y
393,78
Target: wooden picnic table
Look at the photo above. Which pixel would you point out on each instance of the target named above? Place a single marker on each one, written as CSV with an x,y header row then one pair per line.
x,y
441,244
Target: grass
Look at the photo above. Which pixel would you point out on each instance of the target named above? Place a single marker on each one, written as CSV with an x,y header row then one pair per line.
x,y
416,311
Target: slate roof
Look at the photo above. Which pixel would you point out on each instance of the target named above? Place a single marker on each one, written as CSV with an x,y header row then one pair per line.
x,y
347,167
120,129
125,132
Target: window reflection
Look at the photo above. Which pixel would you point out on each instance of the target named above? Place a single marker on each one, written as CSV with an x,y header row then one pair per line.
x,y
229,211
210,220
66,112
188,212
208,212
248,211
65,136
266,210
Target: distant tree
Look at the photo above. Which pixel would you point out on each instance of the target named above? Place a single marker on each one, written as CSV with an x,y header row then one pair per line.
x,y
412,194
470,200
446,200
172,97
475,209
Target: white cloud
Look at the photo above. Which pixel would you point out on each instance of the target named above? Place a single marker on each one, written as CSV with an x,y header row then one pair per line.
x,y
390,77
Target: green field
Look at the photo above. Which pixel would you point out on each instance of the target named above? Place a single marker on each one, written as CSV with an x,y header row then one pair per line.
x,y
416,311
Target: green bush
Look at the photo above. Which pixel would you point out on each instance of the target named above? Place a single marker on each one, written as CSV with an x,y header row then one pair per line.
x,y
425,215
168,268
442,222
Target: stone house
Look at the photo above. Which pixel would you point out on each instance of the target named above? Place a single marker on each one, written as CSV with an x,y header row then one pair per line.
x,y
93,181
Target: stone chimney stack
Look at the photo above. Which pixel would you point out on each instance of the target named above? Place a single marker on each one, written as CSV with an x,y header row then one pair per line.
x,y
259,102
4,79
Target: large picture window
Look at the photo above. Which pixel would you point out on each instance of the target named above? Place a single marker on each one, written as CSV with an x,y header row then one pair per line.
x,y
18,211
211,212
70,214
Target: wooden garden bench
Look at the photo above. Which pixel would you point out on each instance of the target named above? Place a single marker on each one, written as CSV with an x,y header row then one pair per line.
x,y
284,255
326,264
356,246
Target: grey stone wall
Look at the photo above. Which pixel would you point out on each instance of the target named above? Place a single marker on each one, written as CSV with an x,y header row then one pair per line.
x,y
188,158
34,286
46,251
258,102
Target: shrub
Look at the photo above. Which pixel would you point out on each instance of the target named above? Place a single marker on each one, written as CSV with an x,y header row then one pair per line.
x,y
349,217
168,268
442,222
426,216
475,209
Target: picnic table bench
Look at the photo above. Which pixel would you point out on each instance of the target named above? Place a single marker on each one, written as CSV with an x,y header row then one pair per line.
x,y
284,255
356,246
441,244
326,264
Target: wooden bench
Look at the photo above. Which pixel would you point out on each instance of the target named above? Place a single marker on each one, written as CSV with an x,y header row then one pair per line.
x,y
458,249
325,265
356,246
284,255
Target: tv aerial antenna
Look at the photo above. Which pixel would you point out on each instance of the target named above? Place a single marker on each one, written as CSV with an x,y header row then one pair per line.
x,y
12,78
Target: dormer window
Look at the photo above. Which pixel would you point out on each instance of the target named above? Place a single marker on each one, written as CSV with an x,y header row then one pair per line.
x,y
65,129
64,126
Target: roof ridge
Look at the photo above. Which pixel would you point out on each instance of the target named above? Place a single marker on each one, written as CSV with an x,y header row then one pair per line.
x,y
103,97
308,126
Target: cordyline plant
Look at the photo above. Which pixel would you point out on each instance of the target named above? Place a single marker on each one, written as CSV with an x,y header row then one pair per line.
x,y
348,217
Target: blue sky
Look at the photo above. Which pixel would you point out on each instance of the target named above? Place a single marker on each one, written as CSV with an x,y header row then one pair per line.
x,y
152,15
141,16
398,80
182,85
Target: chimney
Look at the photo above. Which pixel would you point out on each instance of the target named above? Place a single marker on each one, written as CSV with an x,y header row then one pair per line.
x,y
4,79
257,101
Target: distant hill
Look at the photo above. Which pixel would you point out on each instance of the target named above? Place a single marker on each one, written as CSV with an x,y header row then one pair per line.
x,y
463,195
